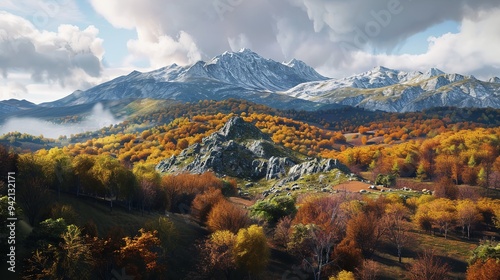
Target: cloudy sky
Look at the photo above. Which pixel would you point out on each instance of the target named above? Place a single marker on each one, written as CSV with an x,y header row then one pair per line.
x,y
50,48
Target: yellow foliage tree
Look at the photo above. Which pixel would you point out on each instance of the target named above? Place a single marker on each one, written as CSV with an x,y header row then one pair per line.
x,y
444,214
217,253
467,215
344,275
251,250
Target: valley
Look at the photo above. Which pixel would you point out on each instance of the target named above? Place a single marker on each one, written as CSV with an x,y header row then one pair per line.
x,y
258,166
241,167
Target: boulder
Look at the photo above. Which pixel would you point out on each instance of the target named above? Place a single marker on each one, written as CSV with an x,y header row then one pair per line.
x,y
312,167
277,167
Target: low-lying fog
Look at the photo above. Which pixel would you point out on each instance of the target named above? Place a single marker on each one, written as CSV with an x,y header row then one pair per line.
x,y
98,118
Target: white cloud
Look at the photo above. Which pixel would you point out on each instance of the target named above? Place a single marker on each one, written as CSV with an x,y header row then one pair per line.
x,y
386,22
183,32
48,55
161,38
239,42
166,50
335,36
12,90
69,57
473,50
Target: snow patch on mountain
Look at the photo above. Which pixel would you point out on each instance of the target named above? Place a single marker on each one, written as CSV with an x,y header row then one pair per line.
x,y
294,84
397,91
242,74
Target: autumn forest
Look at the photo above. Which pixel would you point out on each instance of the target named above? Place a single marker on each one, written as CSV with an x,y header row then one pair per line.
x,y
419,197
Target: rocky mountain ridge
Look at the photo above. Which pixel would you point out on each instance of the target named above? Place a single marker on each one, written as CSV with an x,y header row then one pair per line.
x,y
295,85
242,74
14,105
282,85
239,149
398,91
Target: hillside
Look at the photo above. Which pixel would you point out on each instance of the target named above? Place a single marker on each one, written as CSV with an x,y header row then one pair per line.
x,y
275,174
250,140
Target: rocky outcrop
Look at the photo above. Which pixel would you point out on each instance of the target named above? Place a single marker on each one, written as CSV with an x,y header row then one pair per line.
x,y
229,158
277,167
239,149
237,129
312,167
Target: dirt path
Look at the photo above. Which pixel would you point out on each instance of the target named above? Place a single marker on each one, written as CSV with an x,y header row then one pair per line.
x,y
354,186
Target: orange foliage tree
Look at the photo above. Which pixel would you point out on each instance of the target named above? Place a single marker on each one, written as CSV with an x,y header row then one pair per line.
x,y
140,255
181,189
484,270
429,267
204,202
217,254
227,216
318,225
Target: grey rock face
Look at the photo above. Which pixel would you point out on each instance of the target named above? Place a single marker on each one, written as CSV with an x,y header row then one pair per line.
x,y
259,168
238,149
277,167
312,167
241,150
237,128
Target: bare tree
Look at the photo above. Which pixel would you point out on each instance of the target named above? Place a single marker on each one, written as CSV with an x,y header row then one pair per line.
x,y
467,215
314,245
147,194
397,226
319,225
282,231
368,271
494,179
428,267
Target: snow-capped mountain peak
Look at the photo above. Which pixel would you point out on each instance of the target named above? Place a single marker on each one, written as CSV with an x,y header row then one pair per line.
x,y
294,84
494,80
250,70
433,72
377,77
382,69
386,89
304,70
235,73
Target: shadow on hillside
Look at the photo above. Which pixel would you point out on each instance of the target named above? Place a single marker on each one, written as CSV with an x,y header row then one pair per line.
x,y
456,266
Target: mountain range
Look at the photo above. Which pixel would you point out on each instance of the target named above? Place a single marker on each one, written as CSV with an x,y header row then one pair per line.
x,y
14,105
242,74
398,91
283,85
